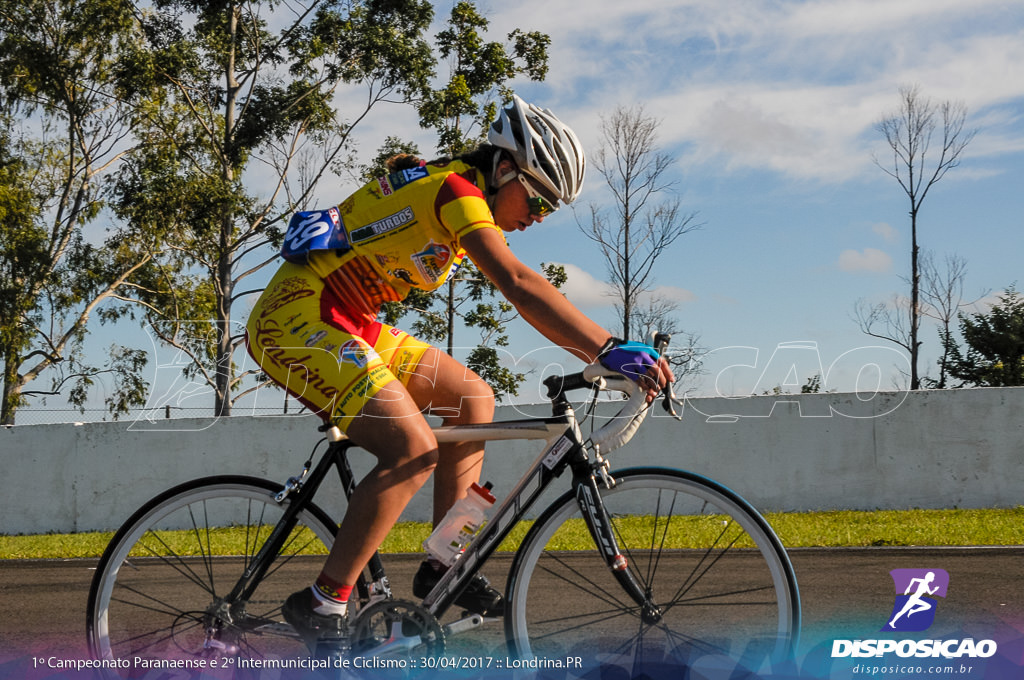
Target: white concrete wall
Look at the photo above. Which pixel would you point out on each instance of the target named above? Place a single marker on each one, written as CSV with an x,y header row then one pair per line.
x,y
932,449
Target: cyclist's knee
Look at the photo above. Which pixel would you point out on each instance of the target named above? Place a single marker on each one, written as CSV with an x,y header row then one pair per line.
x,y
399,443
476,404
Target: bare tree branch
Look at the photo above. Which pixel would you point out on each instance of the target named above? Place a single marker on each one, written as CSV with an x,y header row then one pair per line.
x,y
908,132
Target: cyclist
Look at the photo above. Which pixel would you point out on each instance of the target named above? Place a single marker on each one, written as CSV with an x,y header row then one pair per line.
x,y
315,330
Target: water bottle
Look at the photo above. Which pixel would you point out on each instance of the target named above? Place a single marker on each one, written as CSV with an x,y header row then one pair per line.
x,y
460,524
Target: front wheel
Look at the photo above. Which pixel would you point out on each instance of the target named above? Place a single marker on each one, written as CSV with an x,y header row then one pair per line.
x,y
159,589
717,581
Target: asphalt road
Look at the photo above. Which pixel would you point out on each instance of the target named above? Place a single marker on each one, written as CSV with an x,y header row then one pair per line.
x,y
844,593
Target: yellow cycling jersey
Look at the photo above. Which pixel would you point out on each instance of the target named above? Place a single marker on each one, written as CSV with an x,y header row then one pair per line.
x,y
404,232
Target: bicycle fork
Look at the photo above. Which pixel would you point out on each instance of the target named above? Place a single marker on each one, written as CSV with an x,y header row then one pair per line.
x,y
595,516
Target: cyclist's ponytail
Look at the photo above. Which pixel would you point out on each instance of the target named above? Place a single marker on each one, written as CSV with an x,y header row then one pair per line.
x,y
403,161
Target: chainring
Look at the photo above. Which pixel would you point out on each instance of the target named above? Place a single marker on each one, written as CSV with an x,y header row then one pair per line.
x,y
396,628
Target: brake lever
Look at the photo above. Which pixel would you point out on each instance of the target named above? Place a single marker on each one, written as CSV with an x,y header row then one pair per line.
x,y
669,402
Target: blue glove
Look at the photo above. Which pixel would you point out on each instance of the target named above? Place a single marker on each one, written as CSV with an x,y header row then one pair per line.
x,y
631,359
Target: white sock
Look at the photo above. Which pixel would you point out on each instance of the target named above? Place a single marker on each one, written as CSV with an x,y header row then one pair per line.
x,y
327,606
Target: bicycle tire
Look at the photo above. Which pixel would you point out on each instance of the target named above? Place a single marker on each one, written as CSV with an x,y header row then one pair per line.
x,y
162,573
685,539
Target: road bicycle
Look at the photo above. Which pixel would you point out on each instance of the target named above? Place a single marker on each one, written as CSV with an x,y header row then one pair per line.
x,y
638,568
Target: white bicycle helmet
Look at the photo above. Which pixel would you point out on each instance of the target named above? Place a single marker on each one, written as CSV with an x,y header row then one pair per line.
x,y
542,146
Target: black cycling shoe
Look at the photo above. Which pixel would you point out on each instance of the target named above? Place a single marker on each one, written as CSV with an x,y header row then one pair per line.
x,y
316,630
478,597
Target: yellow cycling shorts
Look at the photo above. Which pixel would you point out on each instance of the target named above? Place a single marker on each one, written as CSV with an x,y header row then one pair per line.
x,y
331,359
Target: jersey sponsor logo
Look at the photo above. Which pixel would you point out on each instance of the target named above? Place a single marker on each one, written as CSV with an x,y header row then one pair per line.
x,y
432,262
315,338
354,352
390,223
289,290
402,177
290,365
403,274
346,206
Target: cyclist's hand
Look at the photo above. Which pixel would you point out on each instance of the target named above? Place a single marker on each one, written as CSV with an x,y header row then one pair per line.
x,y
640,363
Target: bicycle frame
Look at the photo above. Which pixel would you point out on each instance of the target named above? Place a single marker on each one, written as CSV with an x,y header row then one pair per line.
x,y
564,448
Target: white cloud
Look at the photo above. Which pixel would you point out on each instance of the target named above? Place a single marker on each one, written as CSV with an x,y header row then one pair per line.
x,y
888,233
867,260
586,291
673,294
793,87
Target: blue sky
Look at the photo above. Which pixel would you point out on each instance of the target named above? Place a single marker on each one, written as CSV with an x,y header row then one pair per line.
x,y
770,108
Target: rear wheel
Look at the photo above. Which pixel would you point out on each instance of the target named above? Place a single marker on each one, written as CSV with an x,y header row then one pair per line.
x,y
716,578
158,592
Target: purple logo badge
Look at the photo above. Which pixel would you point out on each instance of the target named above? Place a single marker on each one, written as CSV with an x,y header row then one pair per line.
x,y
915,605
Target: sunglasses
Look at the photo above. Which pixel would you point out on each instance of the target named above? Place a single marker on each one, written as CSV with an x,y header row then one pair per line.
x,y
539,205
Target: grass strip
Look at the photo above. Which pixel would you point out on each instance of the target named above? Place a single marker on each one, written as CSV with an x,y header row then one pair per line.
x,y
842,528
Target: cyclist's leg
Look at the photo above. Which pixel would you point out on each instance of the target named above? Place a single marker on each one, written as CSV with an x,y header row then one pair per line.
x,y
449,389
355,371
323,354
446,388
390,427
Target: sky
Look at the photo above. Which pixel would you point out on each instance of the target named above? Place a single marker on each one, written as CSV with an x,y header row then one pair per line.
x,y
769,108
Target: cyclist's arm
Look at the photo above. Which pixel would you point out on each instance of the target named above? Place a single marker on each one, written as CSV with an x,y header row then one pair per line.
x,y
533,296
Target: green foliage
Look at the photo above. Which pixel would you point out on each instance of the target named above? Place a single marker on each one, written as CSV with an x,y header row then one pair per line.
x,y
472,300
994,352
378,165
461,110
63,129
222,91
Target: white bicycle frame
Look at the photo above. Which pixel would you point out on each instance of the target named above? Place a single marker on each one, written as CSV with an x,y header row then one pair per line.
x,y
562,435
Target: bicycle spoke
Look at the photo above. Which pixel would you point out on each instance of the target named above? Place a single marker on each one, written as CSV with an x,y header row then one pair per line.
x,y
703,598
167,609
595,590
251,552
167,604
199,544
694,578
184,569
601,617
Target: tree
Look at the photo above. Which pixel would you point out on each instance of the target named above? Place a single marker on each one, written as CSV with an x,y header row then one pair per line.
x,y
942,295
941,298
230,92
908,133
994,352
461,111
643,226
64,131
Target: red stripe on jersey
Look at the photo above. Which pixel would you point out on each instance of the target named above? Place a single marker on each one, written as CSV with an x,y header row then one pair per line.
x,y
456,186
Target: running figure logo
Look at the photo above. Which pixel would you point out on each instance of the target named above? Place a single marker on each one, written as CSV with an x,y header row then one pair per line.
x,y
915,605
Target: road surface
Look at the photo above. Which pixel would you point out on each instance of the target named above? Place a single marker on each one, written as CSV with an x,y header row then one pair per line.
x,y
845,593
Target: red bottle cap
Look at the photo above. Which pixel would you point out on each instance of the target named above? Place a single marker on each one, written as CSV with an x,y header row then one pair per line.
x,y
483,491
